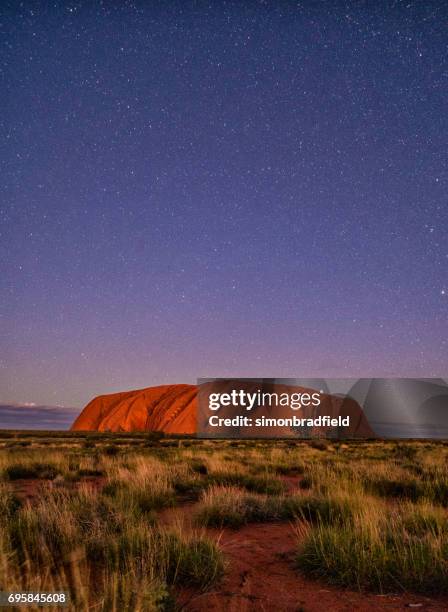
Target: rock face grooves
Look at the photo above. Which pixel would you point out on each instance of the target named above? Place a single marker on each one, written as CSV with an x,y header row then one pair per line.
x,y
173,408
168,408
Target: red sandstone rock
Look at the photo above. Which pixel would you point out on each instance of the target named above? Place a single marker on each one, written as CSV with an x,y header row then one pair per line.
x,y
172,409
168,408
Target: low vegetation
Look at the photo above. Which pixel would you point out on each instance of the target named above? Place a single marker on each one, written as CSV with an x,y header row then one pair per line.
x,y
381,553
232,507
84,513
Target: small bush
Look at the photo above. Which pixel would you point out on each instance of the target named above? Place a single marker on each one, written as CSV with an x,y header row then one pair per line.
x,y
194,561
289,469
255,484
154,436
87,472
405,451
404,489
111,450
199,467
319,445
20,471
306,482
188,488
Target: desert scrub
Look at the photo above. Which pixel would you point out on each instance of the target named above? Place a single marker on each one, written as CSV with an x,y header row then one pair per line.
x,y
264,483
145,483
141,594
231,507
189,488
423,519
48,531
42,535
189,479
410,489
188,560
195,561
379,553
68,536
9,502
431,486
228,506
199,467
16,471
288,469
137,500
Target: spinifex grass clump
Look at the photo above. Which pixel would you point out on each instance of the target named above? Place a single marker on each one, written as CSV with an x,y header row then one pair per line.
x,y
405,489
191,560
138,500
232,507
228,506
424,519
9,503
142,484
73,537
263,483
45,533
429,484
289,469
381,551
18,471
195,562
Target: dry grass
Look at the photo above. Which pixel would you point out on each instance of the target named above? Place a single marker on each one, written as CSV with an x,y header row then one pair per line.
x,y
369,515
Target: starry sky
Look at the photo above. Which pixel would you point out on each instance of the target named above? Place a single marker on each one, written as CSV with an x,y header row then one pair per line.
x,y
198,189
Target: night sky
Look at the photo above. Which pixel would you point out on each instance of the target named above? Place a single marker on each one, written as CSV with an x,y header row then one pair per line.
x,y
198,189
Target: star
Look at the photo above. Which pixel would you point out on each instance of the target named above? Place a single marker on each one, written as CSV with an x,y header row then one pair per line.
x,y
179,183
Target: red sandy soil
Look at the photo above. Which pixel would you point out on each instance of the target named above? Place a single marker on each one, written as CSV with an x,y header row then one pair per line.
x,y
29,489
260,576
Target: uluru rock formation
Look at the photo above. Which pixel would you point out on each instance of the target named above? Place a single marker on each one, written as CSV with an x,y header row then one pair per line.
x,y
168,408
173,410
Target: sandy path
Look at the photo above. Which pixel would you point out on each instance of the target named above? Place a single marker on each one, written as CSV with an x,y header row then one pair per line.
x,y
260,576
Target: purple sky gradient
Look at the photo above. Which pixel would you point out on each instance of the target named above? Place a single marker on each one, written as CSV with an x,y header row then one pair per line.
x,y
221,189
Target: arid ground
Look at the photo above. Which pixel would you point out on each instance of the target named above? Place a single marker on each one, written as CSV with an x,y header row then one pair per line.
x,y
143,522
